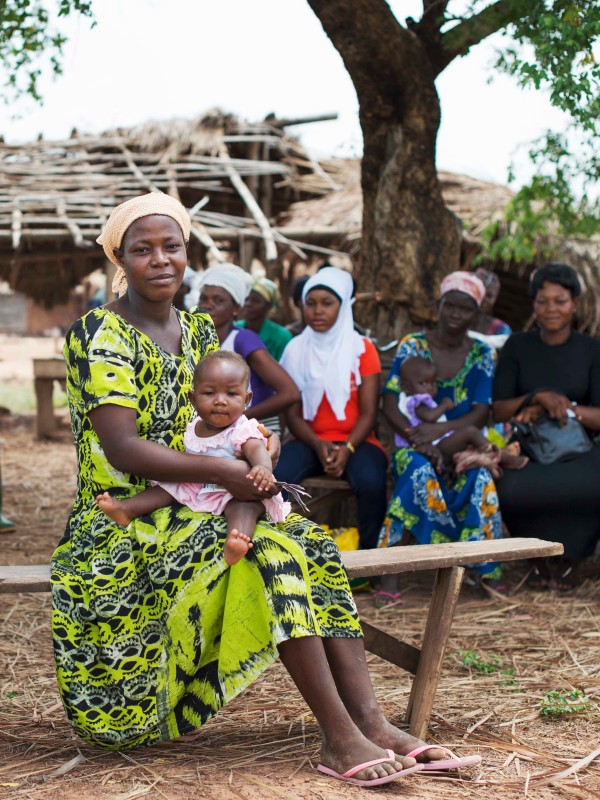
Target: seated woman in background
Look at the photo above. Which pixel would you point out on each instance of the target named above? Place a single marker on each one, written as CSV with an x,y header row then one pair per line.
x,y
422,506
263,297
553,369
223,292
338,373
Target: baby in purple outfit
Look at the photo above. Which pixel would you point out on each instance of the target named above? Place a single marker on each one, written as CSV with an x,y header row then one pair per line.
x,y
465,448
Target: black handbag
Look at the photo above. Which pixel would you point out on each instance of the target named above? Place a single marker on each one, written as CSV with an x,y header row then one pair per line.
x,y
546,441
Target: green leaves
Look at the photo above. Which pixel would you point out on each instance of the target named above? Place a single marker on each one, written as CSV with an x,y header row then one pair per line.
x,y
29,45
558,704
555,50
560,202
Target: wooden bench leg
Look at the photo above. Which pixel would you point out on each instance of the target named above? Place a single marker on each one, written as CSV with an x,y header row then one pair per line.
x,y
441,613
46,422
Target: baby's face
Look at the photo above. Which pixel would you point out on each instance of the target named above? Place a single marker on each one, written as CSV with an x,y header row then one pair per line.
x,y
423,382
221,394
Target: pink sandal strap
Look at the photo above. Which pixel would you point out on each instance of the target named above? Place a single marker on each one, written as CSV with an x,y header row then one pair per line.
x,y
391,756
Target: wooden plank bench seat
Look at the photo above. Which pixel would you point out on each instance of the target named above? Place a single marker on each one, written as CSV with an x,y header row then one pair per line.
x,y
425,663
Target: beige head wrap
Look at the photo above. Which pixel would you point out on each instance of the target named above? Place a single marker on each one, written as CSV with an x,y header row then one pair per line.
x,y
122,216
233,279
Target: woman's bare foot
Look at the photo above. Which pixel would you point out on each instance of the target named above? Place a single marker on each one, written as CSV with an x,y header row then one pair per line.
x,y
350,751
236,546
114,508
383,733
511,461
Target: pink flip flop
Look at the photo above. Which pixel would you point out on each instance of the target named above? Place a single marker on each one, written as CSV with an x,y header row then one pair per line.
x,y
453,762
383,599
347,776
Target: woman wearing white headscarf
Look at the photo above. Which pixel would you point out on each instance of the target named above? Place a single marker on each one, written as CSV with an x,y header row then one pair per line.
x,y
338,373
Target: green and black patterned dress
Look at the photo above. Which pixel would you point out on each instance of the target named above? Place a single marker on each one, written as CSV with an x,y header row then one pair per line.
x,y
153,631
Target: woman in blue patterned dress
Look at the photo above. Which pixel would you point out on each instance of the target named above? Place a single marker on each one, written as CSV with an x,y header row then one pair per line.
x,y
423,507
153,632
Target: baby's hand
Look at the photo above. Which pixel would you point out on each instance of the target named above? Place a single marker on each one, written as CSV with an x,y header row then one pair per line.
x,y
262,477
446,403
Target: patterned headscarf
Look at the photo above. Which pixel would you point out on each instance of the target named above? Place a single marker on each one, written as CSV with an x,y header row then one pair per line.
x,y
230,277
465,282
124,215
266,289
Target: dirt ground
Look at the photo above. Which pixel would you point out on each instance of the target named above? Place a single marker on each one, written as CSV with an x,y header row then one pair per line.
x,y
505,655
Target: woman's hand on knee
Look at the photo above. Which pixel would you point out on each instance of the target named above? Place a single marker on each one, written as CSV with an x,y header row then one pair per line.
x,y
325,452
339,458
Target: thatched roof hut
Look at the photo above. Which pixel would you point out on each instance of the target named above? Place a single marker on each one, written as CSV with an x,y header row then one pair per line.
x,y
337,217
234,176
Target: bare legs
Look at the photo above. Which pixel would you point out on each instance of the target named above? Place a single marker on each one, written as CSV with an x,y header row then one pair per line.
x,y
241,516
332,676
344,745
472,437
123,512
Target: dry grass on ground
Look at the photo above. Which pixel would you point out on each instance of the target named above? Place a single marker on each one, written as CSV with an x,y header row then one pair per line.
x,y
264,743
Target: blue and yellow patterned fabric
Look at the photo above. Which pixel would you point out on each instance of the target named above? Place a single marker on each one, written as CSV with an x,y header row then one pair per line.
x,y
422,504
153,632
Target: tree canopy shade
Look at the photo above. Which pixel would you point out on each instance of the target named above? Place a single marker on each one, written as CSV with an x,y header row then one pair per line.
x,y
29,41
410,240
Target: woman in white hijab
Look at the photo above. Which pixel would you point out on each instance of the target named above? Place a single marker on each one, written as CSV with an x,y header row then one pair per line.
x,y
338,373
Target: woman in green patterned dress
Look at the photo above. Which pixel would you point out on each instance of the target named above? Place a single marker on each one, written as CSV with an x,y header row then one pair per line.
x,y
153,631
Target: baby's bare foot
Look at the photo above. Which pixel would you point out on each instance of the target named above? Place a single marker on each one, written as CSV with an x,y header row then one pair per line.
x,y
114,509
236,546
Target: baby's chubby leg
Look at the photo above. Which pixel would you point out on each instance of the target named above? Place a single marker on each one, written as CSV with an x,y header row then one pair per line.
x,y
123,512
241,517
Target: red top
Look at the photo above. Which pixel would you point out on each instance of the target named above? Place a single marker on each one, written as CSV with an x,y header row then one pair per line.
x,y
325,424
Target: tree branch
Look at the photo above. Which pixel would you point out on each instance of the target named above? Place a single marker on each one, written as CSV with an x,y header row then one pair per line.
x,y
375,48
473,30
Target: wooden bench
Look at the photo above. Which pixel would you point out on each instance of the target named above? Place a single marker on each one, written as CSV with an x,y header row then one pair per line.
x,y
425,663
45,372
331,501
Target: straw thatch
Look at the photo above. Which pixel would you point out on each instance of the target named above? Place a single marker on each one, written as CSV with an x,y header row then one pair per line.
x,y
338,219
234,176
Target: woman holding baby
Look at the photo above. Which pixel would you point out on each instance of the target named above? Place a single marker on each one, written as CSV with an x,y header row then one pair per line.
x,y
425,506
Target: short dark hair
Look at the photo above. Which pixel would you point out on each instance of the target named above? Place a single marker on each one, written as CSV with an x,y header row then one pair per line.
x,y
555,272
416,366
297,288
221,355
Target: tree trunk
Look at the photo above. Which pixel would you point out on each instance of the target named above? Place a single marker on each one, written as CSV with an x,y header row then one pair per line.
x,y
409,239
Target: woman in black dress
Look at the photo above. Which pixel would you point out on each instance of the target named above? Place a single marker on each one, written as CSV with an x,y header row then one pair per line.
x,y
552,369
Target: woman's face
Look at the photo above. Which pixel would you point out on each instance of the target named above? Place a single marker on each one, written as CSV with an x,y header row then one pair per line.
x,y
321,309
256,307
219,304
458,312
153,255
554,307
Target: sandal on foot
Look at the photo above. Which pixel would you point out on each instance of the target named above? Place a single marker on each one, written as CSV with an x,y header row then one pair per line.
x,y
563,578
452,762
383,599
347,776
